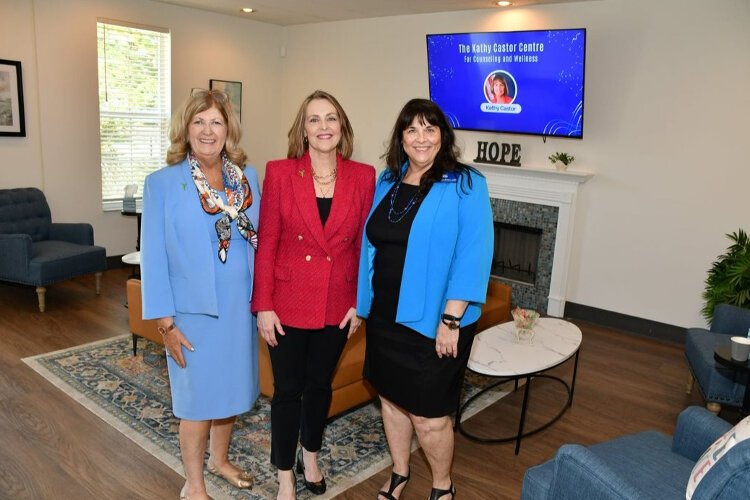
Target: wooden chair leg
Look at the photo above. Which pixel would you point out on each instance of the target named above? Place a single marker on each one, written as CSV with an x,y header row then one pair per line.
x,y
714,408
98,283
690,384
40,291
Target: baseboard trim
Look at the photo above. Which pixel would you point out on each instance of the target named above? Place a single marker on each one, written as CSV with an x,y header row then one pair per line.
x,y
626,323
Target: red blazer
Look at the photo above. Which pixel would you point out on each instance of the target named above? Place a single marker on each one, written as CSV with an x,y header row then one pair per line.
x,y
303,272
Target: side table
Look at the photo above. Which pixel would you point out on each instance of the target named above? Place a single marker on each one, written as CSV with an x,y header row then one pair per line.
x,y
497,353
723,356
137,214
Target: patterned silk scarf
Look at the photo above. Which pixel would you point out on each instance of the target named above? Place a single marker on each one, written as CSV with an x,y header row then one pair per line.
x,y
239,197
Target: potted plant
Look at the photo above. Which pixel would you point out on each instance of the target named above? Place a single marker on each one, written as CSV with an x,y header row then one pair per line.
x,y
728,280
561,160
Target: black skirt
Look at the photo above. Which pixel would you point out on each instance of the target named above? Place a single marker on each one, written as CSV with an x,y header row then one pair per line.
x,y
402,365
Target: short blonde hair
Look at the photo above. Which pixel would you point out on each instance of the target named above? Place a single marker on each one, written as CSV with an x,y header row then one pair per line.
x,y
199,102
297,143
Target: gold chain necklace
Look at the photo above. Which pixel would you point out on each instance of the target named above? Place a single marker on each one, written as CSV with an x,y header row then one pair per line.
x,y
321,179
325,193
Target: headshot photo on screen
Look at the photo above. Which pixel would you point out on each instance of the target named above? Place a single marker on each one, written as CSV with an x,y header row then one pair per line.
x,y
500,88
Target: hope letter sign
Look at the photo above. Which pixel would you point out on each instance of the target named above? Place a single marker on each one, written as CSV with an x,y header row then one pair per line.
x,y
497,154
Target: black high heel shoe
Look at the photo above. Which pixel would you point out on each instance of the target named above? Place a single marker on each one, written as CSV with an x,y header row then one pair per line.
x,y
396,481
317,487
437,493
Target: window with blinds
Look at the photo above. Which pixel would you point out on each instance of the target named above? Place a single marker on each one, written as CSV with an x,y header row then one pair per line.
x,y
134,105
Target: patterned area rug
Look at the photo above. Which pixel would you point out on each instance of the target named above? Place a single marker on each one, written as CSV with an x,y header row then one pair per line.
x,y
132,394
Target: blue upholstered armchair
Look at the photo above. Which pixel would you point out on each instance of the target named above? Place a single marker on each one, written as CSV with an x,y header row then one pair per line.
x,y
718,385
35,251
647,465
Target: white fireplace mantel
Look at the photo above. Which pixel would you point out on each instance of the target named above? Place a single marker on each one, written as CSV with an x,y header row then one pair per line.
x,y
543,186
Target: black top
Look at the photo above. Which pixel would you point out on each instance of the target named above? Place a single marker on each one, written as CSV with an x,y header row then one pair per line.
x,y
390,240
324,209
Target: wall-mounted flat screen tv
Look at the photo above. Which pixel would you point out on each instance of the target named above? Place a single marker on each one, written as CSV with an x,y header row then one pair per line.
x,y
520,82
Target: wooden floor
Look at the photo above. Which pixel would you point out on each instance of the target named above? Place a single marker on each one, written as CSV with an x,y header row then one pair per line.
x,y
54,448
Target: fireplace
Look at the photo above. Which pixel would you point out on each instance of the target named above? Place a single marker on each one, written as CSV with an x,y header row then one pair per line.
x,y
516,252
543,200
528,232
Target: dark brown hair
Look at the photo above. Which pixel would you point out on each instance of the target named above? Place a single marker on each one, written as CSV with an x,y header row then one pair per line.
x,y
500,77
425,111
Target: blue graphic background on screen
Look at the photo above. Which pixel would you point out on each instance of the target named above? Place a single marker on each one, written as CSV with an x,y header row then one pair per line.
x,y
549,91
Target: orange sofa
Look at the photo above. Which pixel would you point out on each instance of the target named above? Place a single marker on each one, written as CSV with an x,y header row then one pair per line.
x,y
138,326
349,388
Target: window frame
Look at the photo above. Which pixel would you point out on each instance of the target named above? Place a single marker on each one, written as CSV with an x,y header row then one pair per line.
x,y
131,119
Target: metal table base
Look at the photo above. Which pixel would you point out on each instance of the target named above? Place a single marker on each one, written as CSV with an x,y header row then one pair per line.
x,y
570,389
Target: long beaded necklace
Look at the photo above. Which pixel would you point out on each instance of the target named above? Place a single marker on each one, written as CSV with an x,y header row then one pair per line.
x,y
395,216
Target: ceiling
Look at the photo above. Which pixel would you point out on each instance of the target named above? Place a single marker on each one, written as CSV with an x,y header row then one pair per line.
x,y
289,12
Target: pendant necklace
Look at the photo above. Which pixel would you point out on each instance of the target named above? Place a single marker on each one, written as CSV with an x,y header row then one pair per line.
x,y
325,180
395,216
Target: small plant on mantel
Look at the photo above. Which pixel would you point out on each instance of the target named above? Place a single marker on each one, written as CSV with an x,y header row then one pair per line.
x,y
728,280
563,158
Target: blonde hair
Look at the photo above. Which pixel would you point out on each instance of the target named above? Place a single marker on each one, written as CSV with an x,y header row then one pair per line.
x,y
297,143
199,102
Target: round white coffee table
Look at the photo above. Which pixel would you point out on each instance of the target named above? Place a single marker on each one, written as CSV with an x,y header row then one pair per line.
x,y
497,353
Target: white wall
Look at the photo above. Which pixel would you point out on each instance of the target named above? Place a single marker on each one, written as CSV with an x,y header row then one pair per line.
x,y
20,157
665,116
56,42
665,105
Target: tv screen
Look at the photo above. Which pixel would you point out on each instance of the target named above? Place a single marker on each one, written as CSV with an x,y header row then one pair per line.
x,y
520,82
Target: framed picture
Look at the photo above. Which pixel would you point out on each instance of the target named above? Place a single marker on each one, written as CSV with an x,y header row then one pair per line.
x,y
12,121
233,90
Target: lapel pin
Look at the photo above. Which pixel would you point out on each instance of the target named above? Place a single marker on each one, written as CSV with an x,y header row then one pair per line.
x,y
302,173
184,186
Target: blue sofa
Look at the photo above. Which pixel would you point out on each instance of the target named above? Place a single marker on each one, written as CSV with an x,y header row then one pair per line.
x,y
36,251
717,384
647,465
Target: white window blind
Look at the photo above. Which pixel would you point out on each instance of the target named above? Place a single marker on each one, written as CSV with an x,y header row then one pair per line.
x,y
134,105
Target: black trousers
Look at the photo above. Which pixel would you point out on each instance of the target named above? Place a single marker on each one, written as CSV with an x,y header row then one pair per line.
x,y
303,365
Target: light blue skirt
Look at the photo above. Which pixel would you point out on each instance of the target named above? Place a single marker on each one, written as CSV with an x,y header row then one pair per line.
x,y
221,376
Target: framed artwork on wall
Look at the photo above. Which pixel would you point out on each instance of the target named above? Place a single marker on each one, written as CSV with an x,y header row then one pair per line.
x,y
233,90
12,120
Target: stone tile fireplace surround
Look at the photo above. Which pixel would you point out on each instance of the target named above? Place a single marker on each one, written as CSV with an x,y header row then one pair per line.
x,y
544,199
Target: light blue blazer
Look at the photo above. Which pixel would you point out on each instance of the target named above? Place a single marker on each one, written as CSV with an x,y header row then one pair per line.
x,y
448,255
177,256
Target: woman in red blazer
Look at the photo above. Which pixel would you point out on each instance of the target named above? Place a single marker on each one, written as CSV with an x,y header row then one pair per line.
x,y
313,209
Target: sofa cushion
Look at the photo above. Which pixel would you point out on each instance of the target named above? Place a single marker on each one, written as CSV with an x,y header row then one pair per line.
x,y
53,261
24,211
349,369
730,320
716,452
646,459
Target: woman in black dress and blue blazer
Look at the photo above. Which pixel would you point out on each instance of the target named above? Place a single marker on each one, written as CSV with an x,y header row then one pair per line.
x,y
424,269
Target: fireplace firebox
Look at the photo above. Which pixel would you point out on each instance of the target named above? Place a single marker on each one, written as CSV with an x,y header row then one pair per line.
x,y
516,253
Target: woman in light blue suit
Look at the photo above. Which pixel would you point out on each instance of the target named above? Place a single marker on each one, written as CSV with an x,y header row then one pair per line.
x,y
424,269
198,245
